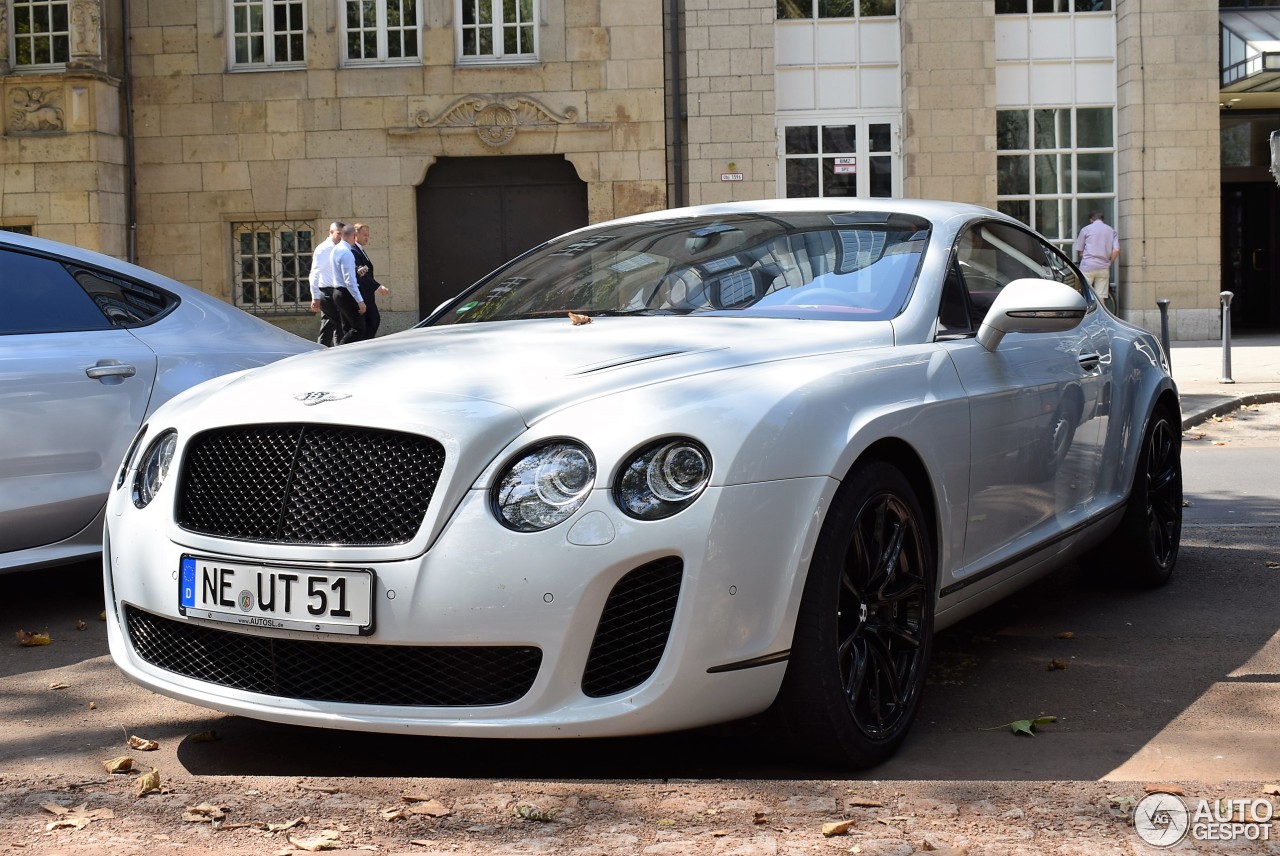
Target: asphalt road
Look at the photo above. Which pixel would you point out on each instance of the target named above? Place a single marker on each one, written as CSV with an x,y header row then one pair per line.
x,y
1177,684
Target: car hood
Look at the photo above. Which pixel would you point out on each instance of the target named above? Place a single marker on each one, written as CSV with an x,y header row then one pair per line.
x,y
532,367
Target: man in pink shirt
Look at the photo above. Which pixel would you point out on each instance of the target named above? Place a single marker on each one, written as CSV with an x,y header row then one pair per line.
x,y
1097,247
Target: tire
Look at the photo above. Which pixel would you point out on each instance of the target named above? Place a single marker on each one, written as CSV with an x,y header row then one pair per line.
x,y
865,625
1144,548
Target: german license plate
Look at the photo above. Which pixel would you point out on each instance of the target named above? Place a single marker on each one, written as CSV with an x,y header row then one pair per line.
x,y
320,600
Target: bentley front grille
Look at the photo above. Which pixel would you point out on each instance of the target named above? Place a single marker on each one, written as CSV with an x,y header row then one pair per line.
x,y
308,484
633,628
347,672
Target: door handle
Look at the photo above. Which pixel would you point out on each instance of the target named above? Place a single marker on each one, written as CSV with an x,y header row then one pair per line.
x,y
110,368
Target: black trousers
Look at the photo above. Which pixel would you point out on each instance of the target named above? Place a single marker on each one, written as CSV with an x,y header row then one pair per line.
x,y
372,317
331,328
353,327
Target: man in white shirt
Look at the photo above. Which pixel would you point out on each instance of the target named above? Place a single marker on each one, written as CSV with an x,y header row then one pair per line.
x,y
323,284
346,293
1097,247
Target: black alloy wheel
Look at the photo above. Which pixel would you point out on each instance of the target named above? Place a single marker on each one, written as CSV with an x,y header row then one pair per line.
x,y
865,629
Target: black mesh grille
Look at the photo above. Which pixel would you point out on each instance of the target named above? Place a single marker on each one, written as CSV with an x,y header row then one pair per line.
x,y
633,628
308,484
355,673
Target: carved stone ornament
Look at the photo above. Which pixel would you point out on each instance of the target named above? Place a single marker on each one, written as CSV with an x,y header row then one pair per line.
x,y
86,31
496,118
32,109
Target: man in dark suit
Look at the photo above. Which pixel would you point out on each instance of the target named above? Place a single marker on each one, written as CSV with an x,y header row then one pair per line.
x,y
370,288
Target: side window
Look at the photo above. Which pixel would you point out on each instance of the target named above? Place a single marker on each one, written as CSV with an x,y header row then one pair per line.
x,y
40,296
956,315
992,255
44,296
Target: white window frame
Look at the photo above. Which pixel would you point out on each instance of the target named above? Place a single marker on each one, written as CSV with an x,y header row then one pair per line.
x,y
53,36
273,277
862,122
267,34
1078,203
383,31
496,31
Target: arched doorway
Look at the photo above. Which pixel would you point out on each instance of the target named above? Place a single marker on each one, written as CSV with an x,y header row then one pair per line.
x,y
475,213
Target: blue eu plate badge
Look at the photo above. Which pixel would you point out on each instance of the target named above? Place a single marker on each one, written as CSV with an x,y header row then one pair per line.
x,y
187,582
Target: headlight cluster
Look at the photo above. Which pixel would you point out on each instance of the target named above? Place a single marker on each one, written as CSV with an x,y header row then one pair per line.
x,y
153,466
546,484
128,456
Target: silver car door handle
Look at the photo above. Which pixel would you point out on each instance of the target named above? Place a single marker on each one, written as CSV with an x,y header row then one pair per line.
x,y
110,368
1089,362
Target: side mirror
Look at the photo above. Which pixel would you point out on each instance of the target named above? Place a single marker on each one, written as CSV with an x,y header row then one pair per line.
x,y
1031,306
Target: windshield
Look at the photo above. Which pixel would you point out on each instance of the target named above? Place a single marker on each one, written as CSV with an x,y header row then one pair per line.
x,y
858,266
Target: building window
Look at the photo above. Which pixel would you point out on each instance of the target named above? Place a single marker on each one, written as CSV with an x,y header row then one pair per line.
x,y
849,158
41,32
1022,7
267,33
381,31
793,9
272,266
19,228
1054,165
497,30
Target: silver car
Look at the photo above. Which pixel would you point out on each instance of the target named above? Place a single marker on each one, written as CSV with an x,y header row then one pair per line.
x,y
89,347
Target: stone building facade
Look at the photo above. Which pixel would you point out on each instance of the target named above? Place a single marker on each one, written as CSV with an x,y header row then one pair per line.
x,y
213,140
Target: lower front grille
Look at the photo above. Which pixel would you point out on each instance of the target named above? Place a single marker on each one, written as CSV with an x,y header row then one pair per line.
x,y
633,628
347,672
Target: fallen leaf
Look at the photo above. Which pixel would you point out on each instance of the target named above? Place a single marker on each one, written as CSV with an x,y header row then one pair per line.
x,y
397,812
80,625
1219,443
142,744
93,705
204,813
841,827
1066,634
579,319
204,737
325,840
1027,726
102,616
666,822
543,815
58,686
147,783
431,808
863,802
75,818
30,639
1056,665
281,827
1273,565
1164,789
323,789
1121,806
1273,790
122,764
719,833
760,817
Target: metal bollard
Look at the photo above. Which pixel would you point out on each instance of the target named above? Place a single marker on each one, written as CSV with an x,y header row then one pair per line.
x,y
1226,337
1163,303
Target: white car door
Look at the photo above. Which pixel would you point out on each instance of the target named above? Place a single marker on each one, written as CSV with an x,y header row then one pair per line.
x,y
1035,435
73,392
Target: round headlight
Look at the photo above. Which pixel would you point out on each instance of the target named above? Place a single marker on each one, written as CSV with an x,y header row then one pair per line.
x,y
663,478
128,456
544,486
153,467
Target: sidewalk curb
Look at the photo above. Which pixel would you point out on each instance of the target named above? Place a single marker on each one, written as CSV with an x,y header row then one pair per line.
x,y
1228,406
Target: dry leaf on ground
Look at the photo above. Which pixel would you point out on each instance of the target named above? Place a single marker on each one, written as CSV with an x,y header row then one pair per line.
x,y
147,783
205,813
281,827
31,639
1164,789
579,319
59,686
1066,634
142,744
841,827
75,818
1057,665
532,812
204,737
122,764
325,840
80,624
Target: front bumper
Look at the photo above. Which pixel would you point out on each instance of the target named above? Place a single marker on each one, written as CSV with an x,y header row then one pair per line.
x,y
726,573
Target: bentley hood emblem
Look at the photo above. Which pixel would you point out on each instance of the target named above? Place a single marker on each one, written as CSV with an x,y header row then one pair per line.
x,y
311,399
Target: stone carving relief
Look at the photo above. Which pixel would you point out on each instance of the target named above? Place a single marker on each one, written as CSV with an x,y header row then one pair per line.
x,y
496,118
86,32
33,109
4,37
